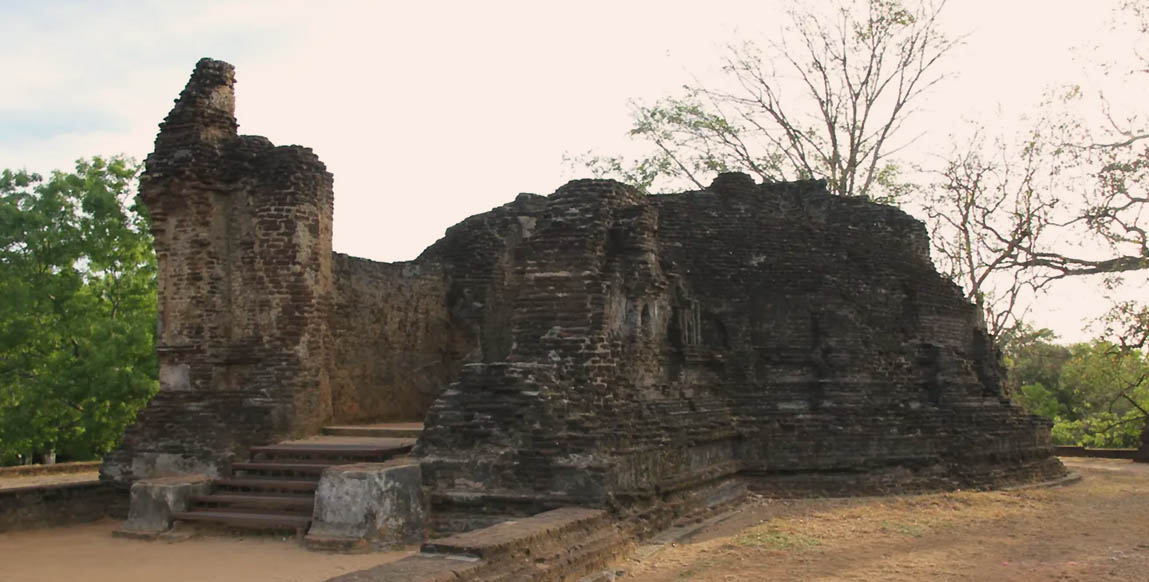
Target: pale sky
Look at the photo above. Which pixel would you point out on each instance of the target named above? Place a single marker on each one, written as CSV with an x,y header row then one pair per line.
x,y
428,112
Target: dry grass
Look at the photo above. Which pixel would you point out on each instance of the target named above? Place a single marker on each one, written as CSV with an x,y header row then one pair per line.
x,y
1097,529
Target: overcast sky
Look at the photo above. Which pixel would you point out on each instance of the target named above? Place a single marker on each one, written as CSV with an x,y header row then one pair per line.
x,y
428,112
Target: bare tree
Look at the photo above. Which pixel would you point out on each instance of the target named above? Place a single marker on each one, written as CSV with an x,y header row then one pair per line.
x,y
989,203
827,100
1112,211
1071,200
1104,144
1127,325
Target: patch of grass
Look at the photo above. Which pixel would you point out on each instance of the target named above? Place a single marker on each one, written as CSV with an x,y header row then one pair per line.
x,y
697,568
913,530
773,536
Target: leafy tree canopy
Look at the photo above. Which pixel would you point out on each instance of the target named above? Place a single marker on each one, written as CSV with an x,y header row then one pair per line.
x,y
1096,393
77,310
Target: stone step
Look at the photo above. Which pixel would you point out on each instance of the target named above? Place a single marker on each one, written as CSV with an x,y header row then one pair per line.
x,y
209,508
267,485
331,452
383,430
271,469
566,524
592,553
246,520
569,543
293,504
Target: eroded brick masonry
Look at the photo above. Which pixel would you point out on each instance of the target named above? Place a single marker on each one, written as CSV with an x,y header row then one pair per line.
x,y
599,347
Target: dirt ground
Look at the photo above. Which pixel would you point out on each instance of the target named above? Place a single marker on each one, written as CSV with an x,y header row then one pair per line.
x,y
48,479
1096,529
90,553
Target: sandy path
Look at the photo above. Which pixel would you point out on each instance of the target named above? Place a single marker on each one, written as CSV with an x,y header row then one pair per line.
x,y
89,553
1097,529
48,479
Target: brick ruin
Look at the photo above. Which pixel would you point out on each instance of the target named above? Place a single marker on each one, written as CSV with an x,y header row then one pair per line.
x,y
650,355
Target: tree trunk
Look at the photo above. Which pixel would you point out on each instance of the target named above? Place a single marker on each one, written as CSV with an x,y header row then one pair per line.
x,y
1142,455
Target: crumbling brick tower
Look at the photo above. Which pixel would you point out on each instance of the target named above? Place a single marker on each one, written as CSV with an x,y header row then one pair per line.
x,y
243,243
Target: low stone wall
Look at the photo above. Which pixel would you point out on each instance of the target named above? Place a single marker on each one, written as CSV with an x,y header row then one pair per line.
x,y
563,544
37,506
56,469
1073,451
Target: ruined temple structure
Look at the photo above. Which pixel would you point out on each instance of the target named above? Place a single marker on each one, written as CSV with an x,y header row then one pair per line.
x,y
651,356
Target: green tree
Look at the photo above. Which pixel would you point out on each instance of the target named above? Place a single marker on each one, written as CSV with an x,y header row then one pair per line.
x,y
1033,356
77,310
1112,386
1035,363
1096,393
826,100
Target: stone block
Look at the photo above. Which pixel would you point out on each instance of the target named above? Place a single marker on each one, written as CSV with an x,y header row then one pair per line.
x,y
368,506
154,500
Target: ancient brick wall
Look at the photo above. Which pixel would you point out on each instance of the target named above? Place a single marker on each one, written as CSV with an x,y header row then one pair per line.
x,y
662,345
243,243
839,346
534,419
601,347
395,345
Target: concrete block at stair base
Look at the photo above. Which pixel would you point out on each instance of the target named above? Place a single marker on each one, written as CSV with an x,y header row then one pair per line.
x,y
369,505
154,500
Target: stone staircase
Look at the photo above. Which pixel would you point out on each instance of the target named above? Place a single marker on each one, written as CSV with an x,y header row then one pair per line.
x,y
389,430
275,489
570,543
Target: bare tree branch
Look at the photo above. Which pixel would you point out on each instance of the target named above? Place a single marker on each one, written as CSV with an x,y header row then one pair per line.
x,y
825,99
